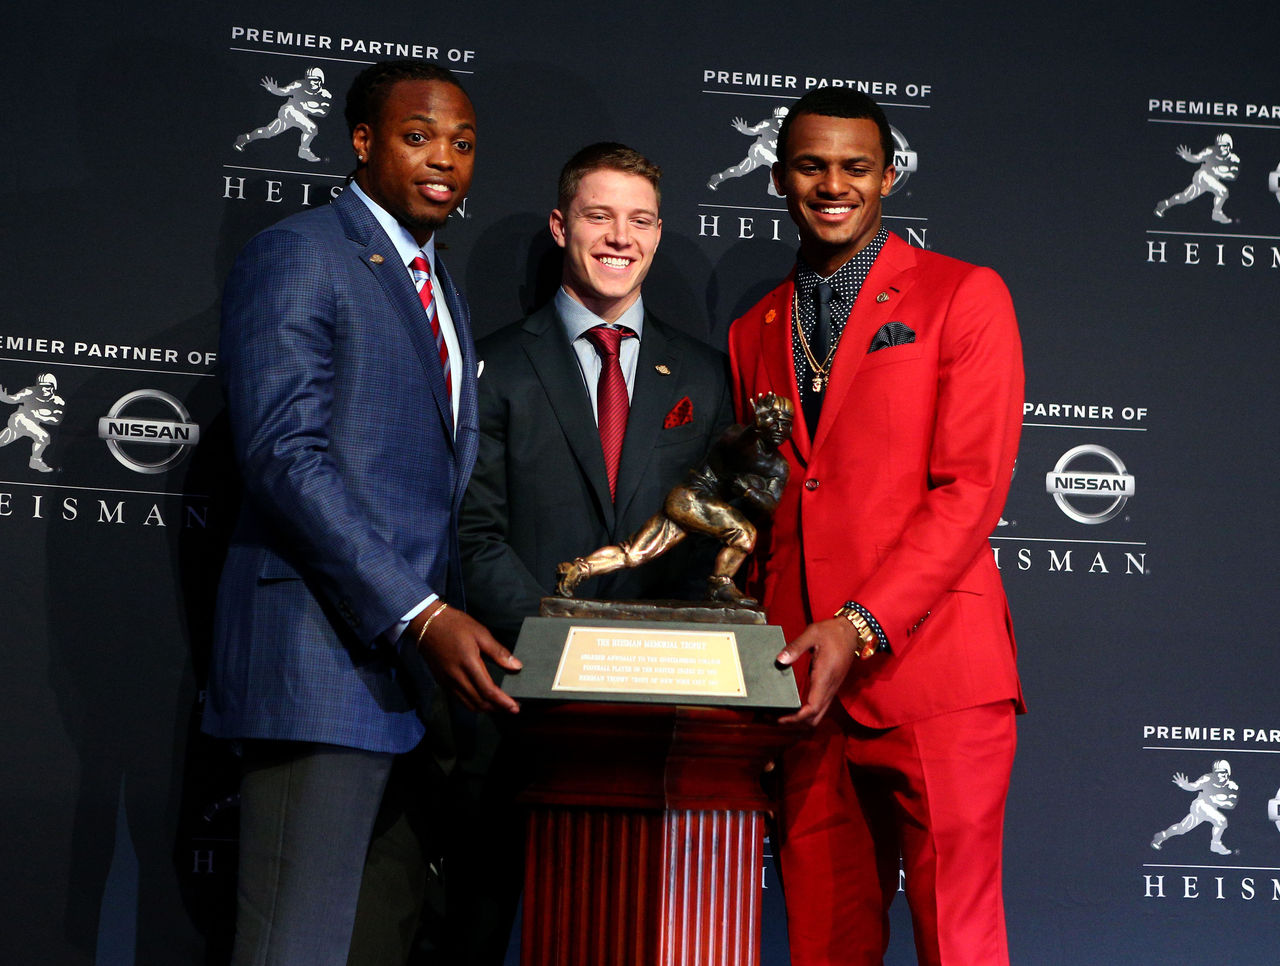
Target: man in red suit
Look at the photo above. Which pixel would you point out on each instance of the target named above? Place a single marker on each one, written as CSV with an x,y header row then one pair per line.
x,y
905,368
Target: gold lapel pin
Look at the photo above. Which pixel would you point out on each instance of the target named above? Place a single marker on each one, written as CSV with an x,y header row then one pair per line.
x,y
770,316
882,297
376,259
662,368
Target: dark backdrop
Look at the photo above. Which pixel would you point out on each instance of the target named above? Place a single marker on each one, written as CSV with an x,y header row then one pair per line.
x,y
1038,139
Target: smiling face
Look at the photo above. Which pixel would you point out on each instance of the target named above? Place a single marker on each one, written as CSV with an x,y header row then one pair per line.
x,y
419,154
833,176
609,235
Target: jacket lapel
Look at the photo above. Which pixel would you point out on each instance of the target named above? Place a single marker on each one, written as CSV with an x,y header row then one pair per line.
x,y
556,368
467,434
381,258
652,398
779,360
893,274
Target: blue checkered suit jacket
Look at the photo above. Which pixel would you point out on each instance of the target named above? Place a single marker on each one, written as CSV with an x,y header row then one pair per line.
x,y
353,480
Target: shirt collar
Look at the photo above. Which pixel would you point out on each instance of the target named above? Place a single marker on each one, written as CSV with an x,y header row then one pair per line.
x,y
577,318
846,280
406,247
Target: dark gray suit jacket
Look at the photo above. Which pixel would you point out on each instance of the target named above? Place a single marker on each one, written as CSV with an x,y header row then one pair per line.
x,y
539,494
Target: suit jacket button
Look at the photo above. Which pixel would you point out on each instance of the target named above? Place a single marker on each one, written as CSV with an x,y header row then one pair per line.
x,y
811,484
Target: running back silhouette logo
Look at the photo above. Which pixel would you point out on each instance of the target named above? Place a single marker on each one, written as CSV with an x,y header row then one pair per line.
x,y
39,406
762,153
1216,794
305,98
1218,164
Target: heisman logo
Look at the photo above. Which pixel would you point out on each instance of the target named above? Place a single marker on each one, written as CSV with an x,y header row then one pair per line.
x,y
38,406
1218,164
763,152
304,99
1216,793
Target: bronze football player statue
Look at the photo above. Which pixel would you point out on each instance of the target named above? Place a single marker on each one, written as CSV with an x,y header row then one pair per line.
x,y
742,476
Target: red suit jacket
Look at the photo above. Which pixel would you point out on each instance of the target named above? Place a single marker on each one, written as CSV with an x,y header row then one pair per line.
x,y
892,500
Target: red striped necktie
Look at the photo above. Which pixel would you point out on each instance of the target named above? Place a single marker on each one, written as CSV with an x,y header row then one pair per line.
x,y
422,278
612,404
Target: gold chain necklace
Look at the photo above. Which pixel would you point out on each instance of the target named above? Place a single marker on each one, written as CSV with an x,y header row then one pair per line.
x,y
821,372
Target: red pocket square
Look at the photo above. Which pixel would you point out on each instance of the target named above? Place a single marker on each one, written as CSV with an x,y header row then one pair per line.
x,y
681,413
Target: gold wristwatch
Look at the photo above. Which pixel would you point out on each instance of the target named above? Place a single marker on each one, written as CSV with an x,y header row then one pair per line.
x,y
866,636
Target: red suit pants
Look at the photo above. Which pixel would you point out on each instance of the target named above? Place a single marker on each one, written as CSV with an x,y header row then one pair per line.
x,y
854,799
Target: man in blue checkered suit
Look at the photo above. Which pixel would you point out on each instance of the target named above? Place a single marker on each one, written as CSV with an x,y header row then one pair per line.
x,y
351,388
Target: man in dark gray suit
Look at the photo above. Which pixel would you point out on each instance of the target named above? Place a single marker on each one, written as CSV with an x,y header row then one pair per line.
x,y
350,380
555,478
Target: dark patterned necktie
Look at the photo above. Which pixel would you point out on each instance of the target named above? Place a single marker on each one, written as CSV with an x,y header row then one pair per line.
x,y
820,344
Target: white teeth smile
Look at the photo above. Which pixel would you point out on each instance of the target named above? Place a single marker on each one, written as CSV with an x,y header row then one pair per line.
x,y
836,211
615,262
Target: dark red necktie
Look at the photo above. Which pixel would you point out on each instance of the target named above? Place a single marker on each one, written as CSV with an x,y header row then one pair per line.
x,y
612,404
422,277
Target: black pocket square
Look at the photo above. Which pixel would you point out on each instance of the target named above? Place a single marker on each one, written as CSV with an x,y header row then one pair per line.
x,y
891,334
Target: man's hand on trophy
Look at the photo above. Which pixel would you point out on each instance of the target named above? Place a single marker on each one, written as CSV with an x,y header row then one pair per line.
x,y
835,645
454,646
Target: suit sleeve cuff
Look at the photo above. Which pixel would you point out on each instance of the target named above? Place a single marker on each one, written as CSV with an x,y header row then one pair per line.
x,y
398,628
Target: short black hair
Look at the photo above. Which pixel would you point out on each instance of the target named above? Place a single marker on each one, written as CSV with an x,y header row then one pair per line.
x,y
606,155
370,89
838,102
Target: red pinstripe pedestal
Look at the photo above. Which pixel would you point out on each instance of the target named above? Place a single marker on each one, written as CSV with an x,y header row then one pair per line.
x,y
646,836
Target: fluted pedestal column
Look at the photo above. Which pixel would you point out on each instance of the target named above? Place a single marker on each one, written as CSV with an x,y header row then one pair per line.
x,y
646,836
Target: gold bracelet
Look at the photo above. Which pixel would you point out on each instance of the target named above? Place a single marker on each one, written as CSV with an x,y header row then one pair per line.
x,y
422,632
